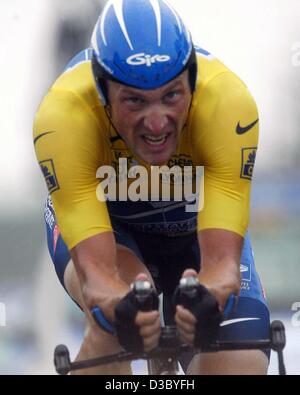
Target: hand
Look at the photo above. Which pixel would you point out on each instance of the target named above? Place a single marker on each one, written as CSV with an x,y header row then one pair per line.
x,y
137,330
104,292
149,324
185,320
199,316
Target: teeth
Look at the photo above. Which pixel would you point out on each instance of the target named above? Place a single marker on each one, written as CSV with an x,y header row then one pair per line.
x,y
156,140
152,138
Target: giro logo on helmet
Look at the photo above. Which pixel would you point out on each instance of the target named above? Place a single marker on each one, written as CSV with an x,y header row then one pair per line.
x,y
142,59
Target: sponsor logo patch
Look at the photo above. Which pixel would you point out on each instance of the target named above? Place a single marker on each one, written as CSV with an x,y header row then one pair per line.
x,y
242,130
248,162
56,233
246,276
245,270
47,167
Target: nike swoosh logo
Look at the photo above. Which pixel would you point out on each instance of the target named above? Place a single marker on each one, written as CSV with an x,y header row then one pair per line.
x,y
242,130
40,136
237,320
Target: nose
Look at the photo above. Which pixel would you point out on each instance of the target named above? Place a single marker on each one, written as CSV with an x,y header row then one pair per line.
x,y
155,120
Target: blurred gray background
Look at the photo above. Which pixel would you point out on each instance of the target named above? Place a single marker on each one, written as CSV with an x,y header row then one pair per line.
x,y
258,40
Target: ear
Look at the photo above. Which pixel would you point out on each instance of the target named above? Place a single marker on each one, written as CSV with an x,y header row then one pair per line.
x,y
108,111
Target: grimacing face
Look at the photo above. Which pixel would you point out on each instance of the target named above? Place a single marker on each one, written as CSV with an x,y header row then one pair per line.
x,y
150,122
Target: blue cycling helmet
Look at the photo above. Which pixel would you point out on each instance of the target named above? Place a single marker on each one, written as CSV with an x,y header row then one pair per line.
x,y
141,43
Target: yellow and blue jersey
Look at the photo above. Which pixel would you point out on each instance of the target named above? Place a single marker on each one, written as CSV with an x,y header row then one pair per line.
x,y
74,137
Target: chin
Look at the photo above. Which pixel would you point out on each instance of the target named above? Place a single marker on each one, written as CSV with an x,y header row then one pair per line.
x,y
158,160
161,162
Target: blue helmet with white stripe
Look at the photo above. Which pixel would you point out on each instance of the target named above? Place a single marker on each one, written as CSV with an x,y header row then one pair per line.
x,y
141,43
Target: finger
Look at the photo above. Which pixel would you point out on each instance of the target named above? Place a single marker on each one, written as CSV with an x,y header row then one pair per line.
x,y
142,277
185,315
146,318
150,330
185,327
189,273
189,339
151,342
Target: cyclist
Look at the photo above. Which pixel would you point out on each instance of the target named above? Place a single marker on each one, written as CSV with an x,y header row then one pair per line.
x,y
145,93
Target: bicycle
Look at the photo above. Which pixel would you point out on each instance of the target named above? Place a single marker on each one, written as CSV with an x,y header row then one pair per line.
x,y
164,360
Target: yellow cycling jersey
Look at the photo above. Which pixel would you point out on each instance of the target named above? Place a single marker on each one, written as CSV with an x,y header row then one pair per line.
x,y
73,138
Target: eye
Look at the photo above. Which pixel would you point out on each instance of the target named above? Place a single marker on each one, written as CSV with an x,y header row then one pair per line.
x,y
132,100
172,96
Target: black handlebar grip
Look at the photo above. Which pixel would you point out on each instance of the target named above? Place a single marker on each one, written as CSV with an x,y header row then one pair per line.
x,y
62,360
145,296
278,339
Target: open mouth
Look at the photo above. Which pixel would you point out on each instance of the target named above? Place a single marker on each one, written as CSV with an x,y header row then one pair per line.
x,y
156,141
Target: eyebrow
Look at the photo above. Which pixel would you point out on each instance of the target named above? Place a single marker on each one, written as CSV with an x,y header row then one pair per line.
x,y
173,85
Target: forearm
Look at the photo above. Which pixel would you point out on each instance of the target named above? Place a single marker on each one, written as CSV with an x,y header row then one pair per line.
x,y
220,263
100,288
96,266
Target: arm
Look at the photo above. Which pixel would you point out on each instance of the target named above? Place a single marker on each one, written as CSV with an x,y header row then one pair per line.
x,y
69,155
228,157
220,274
220,263
95,263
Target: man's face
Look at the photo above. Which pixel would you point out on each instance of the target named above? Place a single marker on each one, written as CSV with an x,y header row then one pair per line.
x,y
150,122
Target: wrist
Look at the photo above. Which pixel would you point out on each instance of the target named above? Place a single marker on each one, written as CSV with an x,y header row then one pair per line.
x,y
104,293
221,285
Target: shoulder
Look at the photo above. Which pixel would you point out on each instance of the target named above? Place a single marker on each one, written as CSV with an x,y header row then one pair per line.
x,y
222,112
70,118
72,102
220,94
217,85
74,89
78,78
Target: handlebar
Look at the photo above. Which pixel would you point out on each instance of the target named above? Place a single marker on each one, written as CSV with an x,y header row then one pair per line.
x,y
171,347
